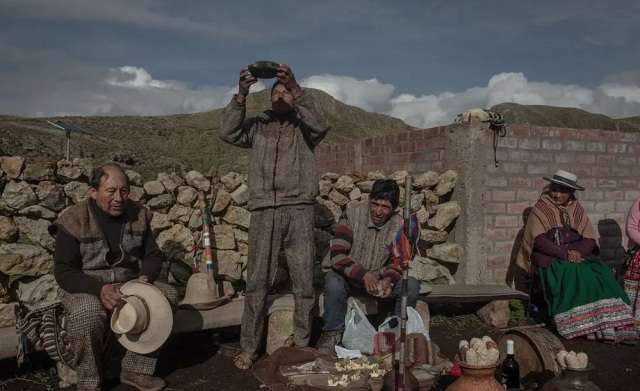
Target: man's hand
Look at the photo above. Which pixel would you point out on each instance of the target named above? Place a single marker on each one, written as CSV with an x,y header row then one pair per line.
x,y
143,278
286,77
387,287
574,256
245,82
110,296
371,282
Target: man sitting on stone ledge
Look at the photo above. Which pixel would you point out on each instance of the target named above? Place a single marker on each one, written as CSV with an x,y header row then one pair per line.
x,y
362,260
103,241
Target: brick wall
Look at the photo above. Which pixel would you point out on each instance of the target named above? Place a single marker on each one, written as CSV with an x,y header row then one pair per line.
x,y
607,164
417,150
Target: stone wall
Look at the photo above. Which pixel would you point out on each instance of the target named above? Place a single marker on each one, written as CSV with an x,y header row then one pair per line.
x,y
34,193
494,199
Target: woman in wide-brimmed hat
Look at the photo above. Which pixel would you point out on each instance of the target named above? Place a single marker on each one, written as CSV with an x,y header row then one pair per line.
x,y
559,245
632,275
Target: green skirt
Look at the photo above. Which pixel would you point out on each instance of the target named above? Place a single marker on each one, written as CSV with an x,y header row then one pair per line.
x,y
584,298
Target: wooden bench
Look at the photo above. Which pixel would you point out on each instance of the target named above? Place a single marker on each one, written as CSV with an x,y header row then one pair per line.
x,y
230,314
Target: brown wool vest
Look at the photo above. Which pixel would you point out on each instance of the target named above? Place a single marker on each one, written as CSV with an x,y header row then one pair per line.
x,y
80,222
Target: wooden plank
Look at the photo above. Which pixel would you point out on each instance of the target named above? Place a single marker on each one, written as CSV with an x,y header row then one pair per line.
x,y
230,314
461,293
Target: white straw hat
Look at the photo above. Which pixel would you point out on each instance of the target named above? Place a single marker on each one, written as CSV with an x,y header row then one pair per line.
x,y
202,294
566,179
145,320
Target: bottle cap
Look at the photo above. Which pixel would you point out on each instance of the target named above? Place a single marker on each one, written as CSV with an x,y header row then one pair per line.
x,y
509,346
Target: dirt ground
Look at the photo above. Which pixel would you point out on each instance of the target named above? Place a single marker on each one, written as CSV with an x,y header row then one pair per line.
x,y
202,361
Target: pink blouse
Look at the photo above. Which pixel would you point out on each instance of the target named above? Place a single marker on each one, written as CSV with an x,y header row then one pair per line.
x,y
633,223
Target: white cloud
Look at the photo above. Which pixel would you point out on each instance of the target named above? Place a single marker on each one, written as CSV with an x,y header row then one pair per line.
x,y
134,77
132,90
611,98
629,93
370,95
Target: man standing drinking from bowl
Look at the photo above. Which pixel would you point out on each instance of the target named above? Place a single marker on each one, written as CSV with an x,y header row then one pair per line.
x,y
283,185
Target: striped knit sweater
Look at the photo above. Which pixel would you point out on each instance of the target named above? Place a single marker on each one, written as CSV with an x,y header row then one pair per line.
x,y
359,246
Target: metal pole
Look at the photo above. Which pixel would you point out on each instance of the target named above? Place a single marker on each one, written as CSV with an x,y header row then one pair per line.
x,y
68,155
206,241
403,292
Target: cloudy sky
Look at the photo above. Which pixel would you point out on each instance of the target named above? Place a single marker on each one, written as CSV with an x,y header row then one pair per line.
x,y
421,61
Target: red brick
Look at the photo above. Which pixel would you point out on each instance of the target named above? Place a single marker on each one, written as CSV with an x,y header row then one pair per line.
x,y
608,183
512,168
503,195
628,183
520,182
542,157
497,261
538,169
627,160
565,157
617,148
519,130
622,171
529,143
519,155
586,159
528,195
518,207
538,183
631,195
502,247
507,221
600,171
615,195
606,159
588,183
596,147
508,142
605,206
552,144
495,207
590,194
571,145
623,206
500,274
496,182
545,132
497,234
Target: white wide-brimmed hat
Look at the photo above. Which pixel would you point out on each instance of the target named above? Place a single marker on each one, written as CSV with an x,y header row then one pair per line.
x,y
202,293
566,179
144,322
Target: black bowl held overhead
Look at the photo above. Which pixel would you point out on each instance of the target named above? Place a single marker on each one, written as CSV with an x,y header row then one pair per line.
x,y
264,69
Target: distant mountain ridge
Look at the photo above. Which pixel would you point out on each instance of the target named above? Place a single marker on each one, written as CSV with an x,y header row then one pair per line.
x,y
174,142
564,117
189,141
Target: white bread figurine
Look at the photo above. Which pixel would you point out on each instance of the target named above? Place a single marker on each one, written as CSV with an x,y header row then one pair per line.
x,y
561,358
583,360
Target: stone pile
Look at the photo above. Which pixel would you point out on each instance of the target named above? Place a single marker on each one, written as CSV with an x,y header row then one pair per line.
x,y
34,193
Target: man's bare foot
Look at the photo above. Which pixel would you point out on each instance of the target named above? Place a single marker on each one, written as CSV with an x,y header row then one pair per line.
x,y
244,360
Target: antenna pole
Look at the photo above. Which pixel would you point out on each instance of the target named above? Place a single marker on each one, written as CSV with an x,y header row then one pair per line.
x,y
68,155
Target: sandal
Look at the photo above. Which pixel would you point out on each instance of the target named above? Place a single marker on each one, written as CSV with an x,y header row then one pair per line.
x,y
244,360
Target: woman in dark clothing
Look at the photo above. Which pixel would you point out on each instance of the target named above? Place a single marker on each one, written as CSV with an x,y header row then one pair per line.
x,y
558,245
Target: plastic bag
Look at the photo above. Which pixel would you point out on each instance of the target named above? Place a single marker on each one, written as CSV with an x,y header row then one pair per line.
x,y
358,332
414,324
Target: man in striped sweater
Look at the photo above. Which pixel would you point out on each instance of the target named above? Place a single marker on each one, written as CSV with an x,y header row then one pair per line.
x,y
363,261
